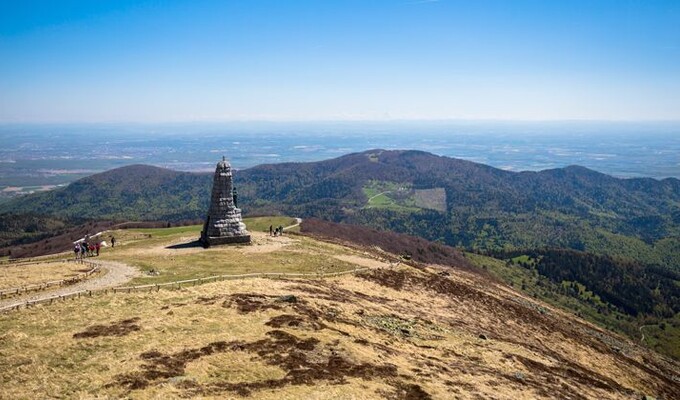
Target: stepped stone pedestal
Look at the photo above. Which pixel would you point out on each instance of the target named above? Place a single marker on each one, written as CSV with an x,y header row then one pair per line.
x,y
224,224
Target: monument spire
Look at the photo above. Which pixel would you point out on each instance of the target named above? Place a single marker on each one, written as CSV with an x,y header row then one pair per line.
x,y
224,224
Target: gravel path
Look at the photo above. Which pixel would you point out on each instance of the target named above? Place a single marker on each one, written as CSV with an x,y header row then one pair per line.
x,y
112,274
298,221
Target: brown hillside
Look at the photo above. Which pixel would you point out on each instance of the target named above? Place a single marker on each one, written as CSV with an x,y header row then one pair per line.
x,y
388,332
412,247
64,241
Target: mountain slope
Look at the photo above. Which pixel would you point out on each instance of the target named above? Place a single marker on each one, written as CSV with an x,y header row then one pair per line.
x,y
486,208
398,331
621,295
135,192
476,206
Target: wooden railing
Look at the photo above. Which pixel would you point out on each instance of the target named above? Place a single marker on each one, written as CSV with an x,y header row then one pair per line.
x,y
178,285
34,260
94,267
198,281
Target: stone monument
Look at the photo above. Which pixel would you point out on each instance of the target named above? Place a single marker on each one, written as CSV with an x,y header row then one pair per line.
x,y
224,224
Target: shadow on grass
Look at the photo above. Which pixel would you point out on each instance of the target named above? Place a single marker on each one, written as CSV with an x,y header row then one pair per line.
x,y
188,245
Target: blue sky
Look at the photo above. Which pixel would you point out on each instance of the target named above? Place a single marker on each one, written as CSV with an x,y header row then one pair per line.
x,y
165,61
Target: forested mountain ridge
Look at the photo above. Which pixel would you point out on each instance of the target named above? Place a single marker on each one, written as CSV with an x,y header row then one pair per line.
x,y
135,192
485,208
467,180
454,201
468,184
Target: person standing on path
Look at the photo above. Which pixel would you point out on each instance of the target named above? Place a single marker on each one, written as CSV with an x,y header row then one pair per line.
x,y
271,230
113,241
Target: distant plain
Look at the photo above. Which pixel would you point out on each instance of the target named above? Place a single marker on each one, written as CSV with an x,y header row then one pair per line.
x,y
39,157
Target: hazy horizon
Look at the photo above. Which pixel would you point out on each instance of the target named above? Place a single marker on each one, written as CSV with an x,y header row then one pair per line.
x,y
48,154
218,122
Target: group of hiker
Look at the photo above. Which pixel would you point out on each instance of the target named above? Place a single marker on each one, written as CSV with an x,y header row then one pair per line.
x,y
278,231
87,248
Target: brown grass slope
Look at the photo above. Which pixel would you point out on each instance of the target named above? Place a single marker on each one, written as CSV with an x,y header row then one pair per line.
x,y
64,240
396,332
412,247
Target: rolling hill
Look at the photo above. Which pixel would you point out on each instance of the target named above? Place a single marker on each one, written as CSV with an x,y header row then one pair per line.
x,y
135,192
457,202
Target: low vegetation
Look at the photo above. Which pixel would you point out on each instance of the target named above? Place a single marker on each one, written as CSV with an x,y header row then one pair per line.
x,y
21,275
406,247
173,254
402,332
556,277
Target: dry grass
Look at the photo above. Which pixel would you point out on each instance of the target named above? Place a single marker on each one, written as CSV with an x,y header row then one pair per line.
x,y
174,257
392,333
434,199
20,275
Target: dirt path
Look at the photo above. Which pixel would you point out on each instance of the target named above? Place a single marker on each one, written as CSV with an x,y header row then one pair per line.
x,y
113,274
642,339
379,194
298,221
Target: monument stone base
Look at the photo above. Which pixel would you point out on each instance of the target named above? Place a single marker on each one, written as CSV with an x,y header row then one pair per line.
x,y
215,241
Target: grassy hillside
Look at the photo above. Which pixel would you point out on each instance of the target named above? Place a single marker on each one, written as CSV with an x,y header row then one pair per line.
x,y
401,332
588,301
614,293
14,276
164,254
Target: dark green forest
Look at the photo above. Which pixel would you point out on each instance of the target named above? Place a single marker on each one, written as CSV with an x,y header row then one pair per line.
x,y
17,229
623,295
134,193
487,209
629,286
